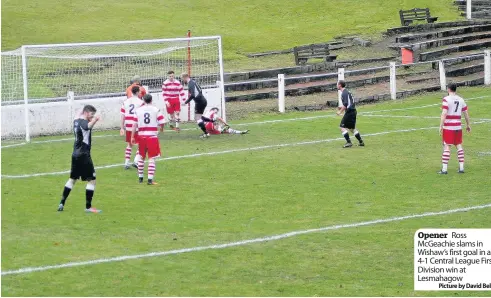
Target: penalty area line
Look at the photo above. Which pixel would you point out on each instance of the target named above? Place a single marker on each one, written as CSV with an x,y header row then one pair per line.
x,y
239,243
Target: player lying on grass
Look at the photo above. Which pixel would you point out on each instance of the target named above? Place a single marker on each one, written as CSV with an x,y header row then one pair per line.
x,y
217,125
148,120
453,106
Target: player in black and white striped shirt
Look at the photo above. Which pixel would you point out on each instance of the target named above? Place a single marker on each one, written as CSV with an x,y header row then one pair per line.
x,y
349,119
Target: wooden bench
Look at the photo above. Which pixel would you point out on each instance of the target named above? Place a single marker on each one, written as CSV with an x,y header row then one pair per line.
x,y
420,14
304,53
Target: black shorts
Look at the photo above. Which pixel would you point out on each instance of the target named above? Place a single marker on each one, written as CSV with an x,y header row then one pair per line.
x,y
82,168
200,104
349,120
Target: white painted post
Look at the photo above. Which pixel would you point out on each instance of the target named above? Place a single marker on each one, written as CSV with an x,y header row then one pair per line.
x,y
26,97
443,77
70,99
222,80
393,87
487,67
468,12
281,93
340,78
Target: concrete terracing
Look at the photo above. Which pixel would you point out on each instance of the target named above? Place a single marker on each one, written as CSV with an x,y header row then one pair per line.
x,y
258,90
480,9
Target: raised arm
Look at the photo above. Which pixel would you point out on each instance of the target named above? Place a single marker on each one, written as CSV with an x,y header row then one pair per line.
x,y
94,121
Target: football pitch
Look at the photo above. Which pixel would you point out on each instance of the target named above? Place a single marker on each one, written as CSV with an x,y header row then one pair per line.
x,y
281,211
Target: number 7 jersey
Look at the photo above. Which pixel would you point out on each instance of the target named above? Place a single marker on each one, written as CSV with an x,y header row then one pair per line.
x,y
454,105
148,118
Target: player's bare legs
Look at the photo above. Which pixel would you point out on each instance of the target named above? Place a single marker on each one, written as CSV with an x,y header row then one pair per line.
x,y
89,194
66,192
445,159
460,156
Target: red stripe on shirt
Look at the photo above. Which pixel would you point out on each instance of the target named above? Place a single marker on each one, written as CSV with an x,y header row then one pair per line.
x,y
453,124
449,117
148,129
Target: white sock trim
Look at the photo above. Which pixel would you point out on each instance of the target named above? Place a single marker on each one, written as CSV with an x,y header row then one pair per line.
x,y
70,183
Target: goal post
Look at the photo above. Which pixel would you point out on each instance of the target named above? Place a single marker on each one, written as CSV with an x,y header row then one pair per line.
x,y
98,73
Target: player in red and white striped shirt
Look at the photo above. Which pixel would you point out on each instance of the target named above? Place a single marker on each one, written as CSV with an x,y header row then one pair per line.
x,y
173,93
453,106
218,125
127,119
148,120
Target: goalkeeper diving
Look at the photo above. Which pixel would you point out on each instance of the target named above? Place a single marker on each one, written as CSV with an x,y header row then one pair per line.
x,y
214,125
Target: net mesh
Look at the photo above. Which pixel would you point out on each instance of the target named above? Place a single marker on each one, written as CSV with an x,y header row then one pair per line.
x,y
100,70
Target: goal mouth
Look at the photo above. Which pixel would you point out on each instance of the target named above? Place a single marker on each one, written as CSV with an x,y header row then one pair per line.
x,y
100,73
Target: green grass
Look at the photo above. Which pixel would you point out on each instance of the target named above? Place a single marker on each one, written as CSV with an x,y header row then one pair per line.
x,y
246,27
243,195
251,26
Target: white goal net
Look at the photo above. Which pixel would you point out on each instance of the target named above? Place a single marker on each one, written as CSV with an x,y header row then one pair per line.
x,y
35,98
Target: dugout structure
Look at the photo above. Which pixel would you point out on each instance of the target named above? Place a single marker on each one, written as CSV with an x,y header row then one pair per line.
x,y
45,86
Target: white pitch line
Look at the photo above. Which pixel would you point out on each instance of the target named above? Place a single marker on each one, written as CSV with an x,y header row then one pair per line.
x,y
249,123
418,117
231,151
238,243
214,153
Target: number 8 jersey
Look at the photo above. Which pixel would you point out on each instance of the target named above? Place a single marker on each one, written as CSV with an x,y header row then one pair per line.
x,y
149,118
454,105
128,110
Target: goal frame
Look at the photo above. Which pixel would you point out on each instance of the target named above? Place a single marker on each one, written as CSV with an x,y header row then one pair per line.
x,y
25,66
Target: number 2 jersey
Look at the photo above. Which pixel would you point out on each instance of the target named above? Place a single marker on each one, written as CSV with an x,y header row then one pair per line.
x,y
128,110
149,118
454,105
